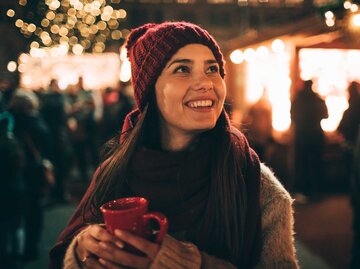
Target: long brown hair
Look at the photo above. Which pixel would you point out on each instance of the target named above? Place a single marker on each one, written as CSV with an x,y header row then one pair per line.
x,y
223,228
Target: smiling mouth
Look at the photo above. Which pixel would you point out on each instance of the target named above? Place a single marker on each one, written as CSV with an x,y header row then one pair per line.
x,y
200,104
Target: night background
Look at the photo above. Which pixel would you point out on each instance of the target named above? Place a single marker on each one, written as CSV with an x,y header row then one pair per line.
x,y
270,47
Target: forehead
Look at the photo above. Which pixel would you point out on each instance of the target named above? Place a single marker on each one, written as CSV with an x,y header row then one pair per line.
x,y
193,51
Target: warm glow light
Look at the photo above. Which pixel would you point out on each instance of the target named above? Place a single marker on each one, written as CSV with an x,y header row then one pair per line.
x,y
278,45
354,8
347,4
54,5
125,68
281,115
262,52
125,71
331,70
26,80
71,12
105,16
50,15
34,44
11,66
116,35
24,58
55,29
79,6
19,23
330,22
31,28
122,14
10,13
329,15
336,106
95,12
22,68
95,21
108,10
77,49
99,47
101,25
237,57
99,71
356,20
249,55
271,73
63,31
22,2
45,23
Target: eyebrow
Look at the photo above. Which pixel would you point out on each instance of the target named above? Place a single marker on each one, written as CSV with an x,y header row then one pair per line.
x,y
187,61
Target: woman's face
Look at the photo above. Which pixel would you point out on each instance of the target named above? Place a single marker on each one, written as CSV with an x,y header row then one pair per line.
x,y
190,92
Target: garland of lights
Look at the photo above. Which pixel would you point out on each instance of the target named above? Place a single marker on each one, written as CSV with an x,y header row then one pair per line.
x,y
75,26
345,14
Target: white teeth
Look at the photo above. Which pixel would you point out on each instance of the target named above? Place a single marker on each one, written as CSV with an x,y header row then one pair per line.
x,y
201,103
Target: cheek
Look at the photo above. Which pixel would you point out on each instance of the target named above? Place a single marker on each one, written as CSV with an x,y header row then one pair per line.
x,y
169,101
221,90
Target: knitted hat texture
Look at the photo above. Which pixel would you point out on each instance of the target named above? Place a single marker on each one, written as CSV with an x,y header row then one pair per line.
x,y
151,46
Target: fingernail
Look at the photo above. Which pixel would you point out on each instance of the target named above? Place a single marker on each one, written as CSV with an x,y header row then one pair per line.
x,y
118,232
102,261
119,244
103,245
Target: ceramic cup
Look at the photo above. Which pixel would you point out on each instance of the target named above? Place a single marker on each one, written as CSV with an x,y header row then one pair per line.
x,y
130,214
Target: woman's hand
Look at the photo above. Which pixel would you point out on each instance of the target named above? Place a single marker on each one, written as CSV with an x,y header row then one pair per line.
x,y
97,248
88,248
117,258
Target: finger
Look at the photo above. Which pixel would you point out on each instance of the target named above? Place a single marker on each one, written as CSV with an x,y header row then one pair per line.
x,y
100,233
92,263
123,258
146,246
110,265
97,248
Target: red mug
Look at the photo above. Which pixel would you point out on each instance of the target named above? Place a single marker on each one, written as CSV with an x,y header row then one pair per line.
x,y
130,214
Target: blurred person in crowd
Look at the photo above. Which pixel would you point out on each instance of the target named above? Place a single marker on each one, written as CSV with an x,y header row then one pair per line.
x,y
179,150
258,124
349,129
33,134
12,193
307,110
8,86
81,125
350,121
53,110
116,106
355,192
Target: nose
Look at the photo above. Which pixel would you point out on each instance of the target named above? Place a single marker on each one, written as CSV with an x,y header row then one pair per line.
x,y
202,83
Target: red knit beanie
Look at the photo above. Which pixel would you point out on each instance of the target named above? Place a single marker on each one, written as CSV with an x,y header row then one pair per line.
x,y
151,46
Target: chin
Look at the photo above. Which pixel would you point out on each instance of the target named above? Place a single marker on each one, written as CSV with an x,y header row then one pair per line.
x,y
204,126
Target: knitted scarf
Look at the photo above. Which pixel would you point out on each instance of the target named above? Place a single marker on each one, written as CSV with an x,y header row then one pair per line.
x,y
175,183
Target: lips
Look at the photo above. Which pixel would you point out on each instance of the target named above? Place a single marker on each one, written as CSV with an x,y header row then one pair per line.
x,y
206,103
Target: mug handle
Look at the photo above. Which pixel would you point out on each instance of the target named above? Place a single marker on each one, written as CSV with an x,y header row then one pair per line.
x,y
161,220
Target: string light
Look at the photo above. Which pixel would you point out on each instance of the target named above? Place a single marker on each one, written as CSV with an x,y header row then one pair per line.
x,y
348,18
82,25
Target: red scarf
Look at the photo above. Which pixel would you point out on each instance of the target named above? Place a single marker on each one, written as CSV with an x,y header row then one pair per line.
x,y
175,183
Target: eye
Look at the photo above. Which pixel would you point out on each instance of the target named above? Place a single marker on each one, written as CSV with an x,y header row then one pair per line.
x,y
182,69
213,69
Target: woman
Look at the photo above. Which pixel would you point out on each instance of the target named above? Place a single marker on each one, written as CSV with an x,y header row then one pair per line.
x,y
179,150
